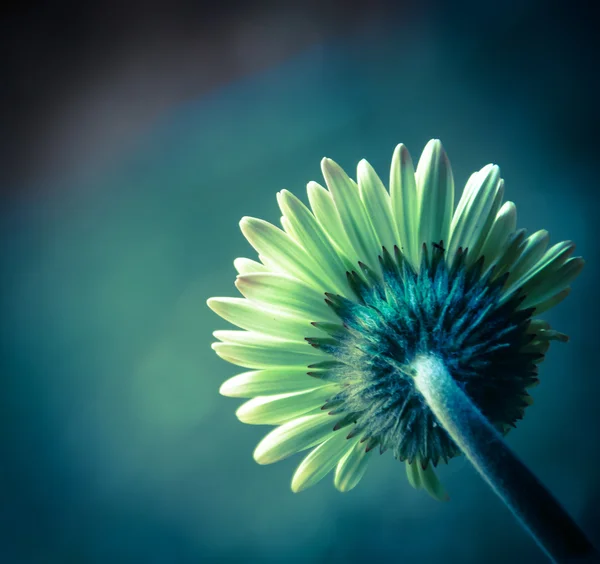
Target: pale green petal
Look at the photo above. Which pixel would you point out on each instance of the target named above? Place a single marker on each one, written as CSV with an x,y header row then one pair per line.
x,y
286,293
536,325
295,436
435,186
479,237
504,225
321,461
552,260
479,205
269,382
254,317
328,216
510,254
305,229
354,217
247,266
431,483
281,250
413,474
287,227
470,187
352,467
533,250
255,350
554,282
553,301
274,410
405,203
271,266
376,200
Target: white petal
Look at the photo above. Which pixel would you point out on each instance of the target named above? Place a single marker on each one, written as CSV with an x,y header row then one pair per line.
x,y
435,185
254,317
321,461
286,293
479,205
354,217
376,200
554,283
352,467
269,382
255,350
504,225
329,219
281,250
295,436
306,229
274,410
247,266
405,203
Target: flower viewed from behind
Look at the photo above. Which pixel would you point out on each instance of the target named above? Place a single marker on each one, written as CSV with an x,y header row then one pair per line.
x,y
355,287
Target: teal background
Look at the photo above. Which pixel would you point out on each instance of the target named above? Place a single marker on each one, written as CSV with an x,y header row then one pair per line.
x,y
116,444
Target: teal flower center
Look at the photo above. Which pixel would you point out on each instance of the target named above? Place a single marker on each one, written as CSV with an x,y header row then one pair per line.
x,y
453,311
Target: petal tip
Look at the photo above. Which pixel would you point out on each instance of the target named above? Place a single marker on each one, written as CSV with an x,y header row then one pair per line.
x,y
260,456
297,486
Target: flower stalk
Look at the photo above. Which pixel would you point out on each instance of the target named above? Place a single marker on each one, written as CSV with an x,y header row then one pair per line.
x,y
536,509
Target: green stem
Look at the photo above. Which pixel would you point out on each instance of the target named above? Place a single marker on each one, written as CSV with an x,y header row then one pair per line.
x,y
532,504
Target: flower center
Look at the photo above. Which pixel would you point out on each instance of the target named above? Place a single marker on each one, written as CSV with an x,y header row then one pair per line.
x,y
453,311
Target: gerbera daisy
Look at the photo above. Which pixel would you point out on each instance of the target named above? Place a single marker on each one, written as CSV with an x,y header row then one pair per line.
x,y
379,320
347,295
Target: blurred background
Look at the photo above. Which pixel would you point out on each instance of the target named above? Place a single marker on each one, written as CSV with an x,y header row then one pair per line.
x,y
134,137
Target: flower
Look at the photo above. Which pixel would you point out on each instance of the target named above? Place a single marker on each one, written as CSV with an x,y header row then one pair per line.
x,y
353,288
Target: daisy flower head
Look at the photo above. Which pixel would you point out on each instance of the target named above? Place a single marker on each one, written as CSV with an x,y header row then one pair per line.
x,y
355,290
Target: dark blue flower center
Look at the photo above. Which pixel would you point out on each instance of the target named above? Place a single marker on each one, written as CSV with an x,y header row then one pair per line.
x,y
451,310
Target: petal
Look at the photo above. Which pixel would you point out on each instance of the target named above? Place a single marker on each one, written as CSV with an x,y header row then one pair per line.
x,y
376,200
533,250
431,483
321,461
307,231
274,410
281,250
254,317
352,467
254,350
295,436
554,282
503,226
354,217
478,207
553,301
435,185
510,254
286,293
269,382
536,325
413,474
246,266
552,260
405,204
329,219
